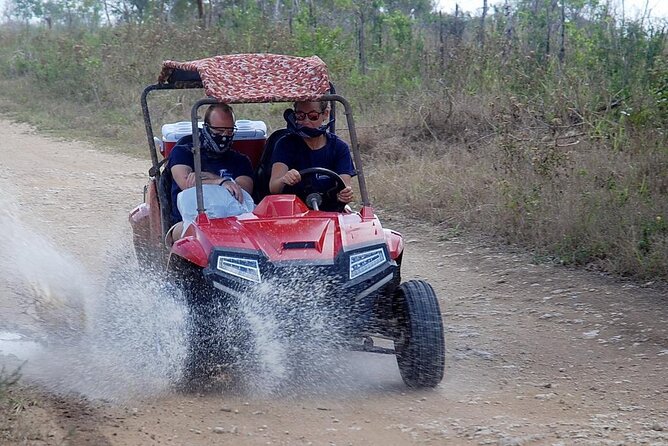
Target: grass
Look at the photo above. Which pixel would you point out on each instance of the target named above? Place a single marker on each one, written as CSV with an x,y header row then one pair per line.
x,y
8,409
524,153
576,198
7,379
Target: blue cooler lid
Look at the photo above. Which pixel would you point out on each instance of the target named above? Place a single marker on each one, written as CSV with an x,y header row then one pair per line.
x,y
177,130
247,129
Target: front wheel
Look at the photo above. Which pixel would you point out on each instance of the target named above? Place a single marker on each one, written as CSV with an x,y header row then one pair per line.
x,y
420,346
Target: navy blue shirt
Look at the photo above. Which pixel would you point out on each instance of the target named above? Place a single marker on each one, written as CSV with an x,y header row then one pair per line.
x,y
228,164
292,151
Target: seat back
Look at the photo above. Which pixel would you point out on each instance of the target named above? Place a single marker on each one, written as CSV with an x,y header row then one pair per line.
x,y
165,198
263,170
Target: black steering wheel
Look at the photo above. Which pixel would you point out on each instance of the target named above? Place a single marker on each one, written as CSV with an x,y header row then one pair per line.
x,y
323,200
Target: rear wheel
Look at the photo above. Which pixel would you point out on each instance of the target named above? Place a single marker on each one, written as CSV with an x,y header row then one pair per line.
x,y
420,346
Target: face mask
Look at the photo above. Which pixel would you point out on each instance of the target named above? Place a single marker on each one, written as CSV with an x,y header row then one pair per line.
x,y
303,131
215,142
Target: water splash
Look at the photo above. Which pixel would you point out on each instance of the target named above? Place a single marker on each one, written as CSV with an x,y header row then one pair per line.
x,y
104,338
297,334
127,335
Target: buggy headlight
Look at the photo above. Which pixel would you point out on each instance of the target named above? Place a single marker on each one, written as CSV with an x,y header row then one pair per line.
x,y
247,269
364,262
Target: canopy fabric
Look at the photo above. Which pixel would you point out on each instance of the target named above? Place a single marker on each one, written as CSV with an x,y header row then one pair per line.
x,y
246,78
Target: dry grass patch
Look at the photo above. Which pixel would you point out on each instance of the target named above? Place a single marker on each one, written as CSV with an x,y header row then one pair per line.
x,y
582,203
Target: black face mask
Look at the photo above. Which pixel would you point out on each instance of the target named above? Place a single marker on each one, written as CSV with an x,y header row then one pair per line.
x,y
303,131
215,143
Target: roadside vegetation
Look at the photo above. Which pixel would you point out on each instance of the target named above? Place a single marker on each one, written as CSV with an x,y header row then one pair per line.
x,y
7,379
8,408
542,123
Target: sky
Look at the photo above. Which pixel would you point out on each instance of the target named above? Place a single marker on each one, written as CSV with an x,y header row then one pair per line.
x,y
633,8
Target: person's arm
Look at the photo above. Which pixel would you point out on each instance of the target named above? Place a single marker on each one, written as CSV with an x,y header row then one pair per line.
x,y
283,157
181,174
181,165
346,195
235,186
245,182
281,176
345,168
185,177
241,166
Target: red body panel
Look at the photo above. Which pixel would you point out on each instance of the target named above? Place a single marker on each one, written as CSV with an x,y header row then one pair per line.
x,y
280,220
166,148
252,148
191,248
395,243
145,222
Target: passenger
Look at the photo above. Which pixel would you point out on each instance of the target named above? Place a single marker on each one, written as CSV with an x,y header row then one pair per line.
x,y
309,144
221,166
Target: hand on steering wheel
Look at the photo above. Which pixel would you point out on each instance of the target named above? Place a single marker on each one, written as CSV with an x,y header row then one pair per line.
x,y
328,199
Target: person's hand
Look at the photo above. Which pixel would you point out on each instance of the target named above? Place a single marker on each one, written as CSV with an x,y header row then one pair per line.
x,y
346,195
291,177
235,190
190,180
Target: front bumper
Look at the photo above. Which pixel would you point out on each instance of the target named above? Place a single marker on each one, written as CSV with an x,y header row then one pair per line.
x,y
307,282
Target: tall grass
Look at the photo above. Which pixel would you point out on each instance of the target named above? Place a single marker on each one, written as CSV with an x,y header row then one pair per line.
x,y
570,160
566,191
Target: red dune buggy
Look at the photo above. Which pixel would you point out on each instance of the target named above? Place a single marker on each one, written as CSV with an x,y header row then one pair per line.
x,y
222,263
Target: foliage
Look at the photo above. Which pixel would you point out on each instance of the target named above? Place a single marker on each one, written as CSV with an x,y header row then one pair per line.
x,y
542,125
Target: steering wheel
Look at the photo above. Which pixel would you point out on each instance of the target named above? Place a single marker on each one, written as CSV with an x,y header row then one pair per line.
x,y
326,200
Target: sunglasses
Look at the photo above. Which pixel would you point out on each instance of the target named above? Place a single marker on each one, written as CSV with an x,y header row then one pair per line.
x,y
222,130
312,115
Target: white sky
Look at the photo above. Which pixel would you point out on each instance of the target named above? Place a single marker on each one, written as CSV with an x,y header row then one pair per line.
x,y
633,8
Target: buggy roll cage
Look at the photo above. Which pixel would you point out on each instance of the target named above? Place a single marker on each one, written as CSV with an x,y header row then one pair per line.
x,y
193,83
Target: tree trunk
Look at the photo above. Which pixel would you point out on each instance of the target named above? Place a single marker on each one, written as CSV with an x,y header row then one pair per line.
x,y
548,37
481,35
311,14
200,12
509,31
441,40
106,12
459,26
361,41
277,9
562,47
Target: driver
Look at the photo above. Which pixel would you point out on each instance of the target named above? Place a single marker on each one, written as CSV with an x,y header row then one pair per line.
x,y
309,144
221,166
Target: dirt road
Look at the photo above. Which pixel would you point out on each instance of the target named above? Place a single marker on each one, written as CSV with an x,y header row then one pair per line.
x,y
536,354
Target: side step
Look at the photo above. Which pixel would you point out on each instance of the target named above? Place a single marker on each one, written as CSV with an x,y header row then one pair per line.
x,y
367,346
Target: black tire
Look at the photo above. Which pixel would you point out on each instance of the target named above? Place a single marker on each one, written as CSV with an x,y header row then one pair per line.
x,y
420,347
188,278
219,338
